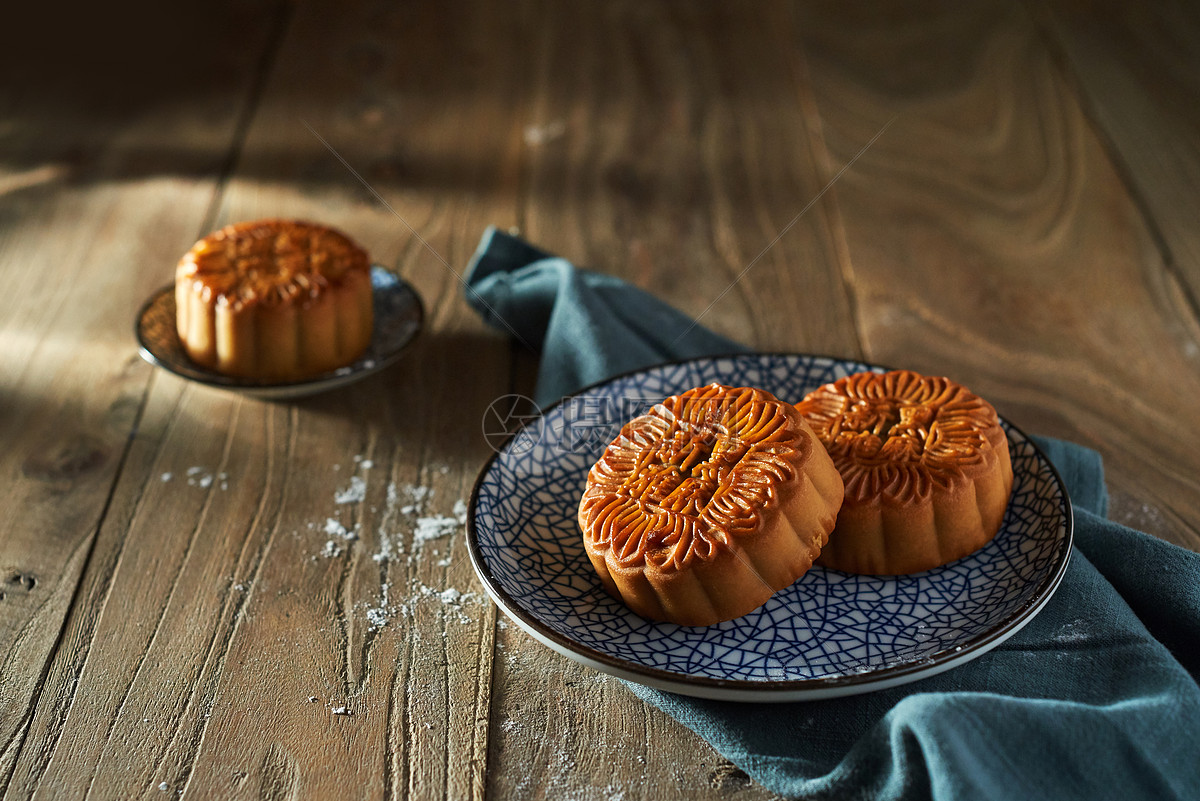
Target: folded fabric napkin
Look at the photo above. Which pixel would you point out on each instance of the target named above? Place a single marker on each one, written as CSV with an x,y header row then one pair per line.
x,y
1097,697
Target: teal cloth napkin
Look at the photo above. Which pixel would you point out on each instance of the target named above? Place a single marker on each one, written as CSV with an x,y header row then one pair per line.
x,y
1096,698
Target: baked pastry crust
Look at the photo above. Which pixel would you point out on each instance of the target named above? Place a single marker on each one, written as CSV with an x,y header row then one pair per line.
x,y
926,469
274,299
707,505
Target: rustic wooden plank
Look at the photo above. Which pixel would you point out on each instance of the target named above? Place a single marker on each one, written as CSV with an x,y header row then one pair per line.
x,y
671,146
992,239
259,555
1137,68
668,144
104,180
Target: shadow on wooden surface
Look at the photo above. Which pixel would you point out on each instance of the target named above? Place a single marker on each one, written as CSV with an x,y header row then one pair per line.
x,y
204,592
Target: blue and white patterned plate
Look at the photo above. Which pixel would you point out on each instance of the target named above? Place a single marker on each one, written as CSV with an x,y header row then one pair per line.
x,y
399,315
829,634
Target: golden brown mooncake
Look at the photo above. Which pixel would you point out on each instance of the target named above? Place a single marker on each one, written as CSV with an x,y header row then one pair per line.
x,y
925,465
274,299
707,505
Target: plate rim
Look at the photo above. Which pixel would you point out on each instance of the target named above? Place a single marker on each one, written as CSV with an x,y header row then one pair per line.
x,y
770,690
275,389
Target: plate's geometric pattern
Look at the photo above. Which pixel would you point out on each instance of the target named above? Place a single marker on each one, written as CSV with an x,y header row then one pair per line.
x,y
828,625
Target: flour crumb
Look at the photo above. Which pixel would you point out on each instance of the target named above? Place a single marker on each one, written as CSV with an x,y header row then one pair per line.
x,y
341,710
352,494
202,478
312,699
335,529
167,477
434,528
388,549
379,616
460,510
366,464
416,495
331,550
450,596
164,787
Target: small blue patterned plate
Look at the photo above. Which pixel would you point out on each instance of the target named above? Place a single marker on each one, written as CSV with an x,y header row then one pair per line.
x,y
399,315
828,634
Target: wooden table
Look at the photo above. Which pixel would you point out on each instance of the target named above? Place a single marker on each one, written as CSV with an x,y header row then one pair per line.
x,y
171,619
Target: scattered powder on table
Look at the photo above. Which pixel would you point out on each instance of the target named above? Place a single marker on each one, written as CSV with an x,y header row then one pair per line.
x,y
200,477
614,793
335,529
460,510
331,550
433,528
341,710
388,549
379,616
451,599
354,493
417,496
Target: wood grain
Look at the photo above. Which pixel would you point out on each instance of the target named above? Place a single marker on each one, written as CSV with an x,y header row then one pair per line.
x,y
681,159
1135,68
83,240
208,595
992,239
225,597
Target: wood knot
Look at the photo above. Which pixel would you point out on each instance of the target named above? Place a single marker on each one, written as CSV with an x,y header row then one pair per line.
x,y
17,581
728,777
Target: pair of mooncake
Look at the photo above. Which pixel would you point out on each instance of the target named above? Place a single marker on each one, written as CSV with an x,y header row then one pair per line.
x,y
717,498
